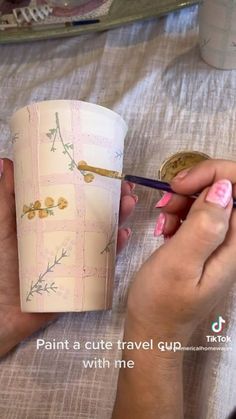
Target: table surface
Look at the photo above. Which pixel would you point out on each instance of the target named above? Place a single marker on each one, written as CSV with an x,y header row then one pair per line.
x,y
151,73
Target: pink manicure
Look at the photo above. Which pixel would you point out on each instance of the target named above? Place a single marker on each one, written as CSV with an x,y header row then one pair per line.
x,y
128,231
135,197
160,225
164,200
131,185
220,193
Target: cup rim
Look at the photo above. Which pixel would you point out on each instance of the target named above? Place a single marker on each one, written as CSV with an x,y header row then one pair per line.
x,y
84,103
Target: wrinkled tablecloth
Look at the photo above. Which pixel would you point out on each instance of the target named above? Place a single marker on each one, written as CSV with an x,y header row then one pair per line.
x,y
151,73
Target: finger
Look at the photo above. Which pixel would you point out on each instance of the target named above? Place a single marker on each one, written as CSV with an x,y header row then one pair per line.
x,y
175,204
223,262
6,189
127,205
7,213
122,238
204,229
204,174
7,175
166,224
127,188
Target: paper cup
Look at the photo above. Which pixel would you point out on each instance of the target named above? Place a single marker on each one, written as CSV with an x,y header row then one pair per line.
x,y
217,33
67,220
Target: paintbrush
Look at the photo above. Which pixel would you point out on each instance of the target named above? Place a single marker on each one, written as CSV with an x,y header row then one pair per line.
x,y
150,183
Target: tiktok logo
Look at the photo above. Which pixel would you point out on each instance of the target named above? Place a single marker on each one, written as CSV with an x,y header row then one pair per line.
x,y
217,326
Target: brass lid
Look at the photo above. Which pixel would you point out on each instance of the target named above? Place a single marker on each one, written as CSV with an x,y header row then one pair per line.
x,y
178,162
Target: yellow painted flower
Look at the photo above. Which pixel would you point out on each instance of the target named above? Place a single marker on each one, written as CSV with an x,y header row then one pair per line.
x,y
25,209
49,202
62,203
82,162
31,214
89,177
43,213
37,205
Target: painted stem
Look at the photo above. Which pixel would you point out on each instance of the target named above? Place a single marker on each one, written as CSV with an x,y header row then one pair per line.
x,y
38,209
33,288
62,141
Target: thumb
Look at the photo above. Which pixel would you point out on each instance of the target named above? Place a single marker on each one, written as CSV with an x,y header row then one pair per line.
x,y
205,227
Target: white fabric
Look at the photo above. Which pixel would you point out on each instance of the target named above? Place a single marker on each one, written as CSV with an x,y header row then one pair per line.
x,y
152,74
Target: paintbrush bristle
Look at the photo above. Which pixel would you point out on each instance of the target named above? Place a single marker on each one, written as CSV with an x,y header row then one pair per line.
x,y
99,171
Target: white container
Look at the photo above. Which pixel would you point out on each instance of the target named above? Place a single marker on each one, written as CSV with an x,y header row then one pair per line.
x,y
67,221
217,33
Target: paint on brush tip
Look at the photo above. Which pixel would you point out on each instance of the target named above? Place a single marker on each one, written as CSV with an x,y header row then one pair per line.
x,y
100,171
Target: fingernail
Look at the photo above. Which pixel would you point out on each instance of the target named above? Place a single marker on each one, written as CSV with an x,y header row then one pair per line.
x,y
220,193
181,174
160,224
164,200
131,185
135,197
128,232
1,167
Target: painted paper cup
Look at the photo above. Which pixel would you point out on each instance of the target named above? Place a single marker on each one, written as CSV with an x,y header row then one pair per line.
x,y
217,33
67,220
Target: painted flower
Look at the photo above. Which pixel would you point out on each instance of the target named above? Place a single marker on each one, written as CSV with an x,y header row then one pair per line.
x,y
49,202
89,177
37,205
62,203
82,162
31,214
25,209
43,210
43,213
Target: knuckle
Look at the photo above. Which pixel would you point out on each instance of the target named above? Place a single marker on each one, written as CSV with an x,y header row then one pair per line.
x,y
211,227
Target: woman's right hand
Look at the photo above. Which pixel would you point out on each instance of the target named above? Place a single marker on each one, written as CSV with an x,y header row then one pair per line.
x,y
185,278
177,287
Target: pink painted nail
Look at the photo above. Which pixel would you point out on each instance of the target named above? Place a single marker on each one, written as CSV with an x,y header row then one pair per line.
x,y
220,193
164,200
135,197
160,225
131,185
128,231
1,167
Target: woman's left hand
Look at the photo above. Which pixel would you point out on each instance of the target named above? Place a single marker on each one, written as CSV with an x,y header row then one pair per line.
x,y
15,325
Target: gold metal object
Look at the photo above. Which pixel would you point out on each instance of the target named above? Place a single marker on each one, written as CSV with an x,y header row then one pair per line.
x,y
178,162
102,172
